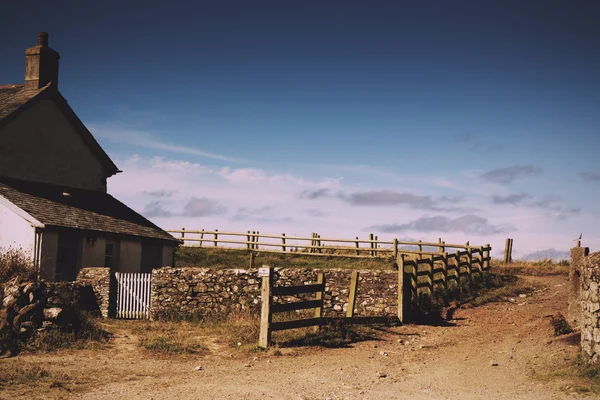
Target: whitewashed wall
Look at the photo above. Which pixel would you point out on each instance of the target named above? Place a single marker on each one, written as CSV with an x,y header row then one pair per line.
x,y
15,232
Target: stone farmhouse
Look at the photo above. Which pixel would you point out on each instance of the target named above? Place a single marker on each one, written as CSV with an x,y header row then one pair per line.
x,y
53,197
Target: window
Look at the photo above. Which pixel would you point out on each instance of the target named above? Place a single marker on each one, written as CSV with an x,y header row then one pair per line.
x,y
109,255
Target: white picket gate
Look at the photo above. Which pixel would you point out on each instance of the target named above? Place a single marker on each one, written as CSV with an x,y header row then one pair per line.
x,y
133,295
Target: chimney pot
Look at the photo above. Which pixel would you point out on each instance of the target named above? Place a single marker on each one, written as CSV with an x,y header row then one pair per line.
x,y
42,38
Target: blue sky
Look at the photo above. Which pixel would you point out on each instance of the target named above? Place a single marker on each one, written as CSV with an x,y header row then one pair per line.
x,y
469,120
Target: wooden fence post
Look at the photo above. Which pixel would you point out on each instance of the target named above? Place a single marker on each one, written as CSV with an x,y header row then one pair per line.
x,y
457,267
201,237
248,240
400,262
319,296
414,287
469,264
396,250
441,248
486,257
252,255
431,275
357,247
257,240
420,247
182,233
352,294
445,269
371,244
267,301
508,251
216,236
283,242
480,264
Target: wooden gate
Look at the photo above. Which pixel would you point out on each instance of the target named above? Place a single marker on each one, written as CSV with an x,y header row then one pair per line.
x,y
133,295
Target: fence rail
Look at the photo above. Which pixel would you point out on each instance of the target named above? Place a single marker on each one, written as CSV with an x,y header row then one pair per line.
x,y
318,246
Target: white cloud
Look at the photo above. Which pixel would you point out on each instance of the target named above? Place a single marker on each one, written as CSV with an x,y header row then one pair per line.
x,y
241,199
148,140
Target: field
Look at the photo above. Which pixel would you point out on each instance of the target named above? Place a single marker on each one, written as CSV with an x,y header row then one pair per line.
x,y
502,347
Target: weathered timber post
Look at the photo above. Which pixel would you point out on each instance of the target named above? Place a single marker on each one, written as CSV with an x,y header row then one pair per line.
x,y
486,257
457,253
371,244
441,248
445,270
480,264
319,296
431,275
182,233
201,237
396,250
357,247
352,294
400,262
252,256
266,273
508,251
420,250
216,236
283,242
257,240
248,240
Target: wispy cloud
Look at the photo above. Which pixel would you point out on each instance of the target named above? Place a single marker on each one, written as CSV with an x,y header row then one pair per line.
x,y
590,176
159,193
393,198
549,203
471,224
149,140
513,199
504,176
313,212
552,254
245,213
203,207
314,194
156,209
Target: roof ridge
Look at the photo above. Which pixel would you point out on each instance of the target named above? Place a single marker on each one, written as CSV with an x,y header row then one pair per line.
x,y
11,86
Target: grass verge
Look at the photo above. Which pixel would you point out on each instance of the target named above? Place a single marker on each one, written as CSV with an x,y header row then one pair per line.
x,y
36,377
236,258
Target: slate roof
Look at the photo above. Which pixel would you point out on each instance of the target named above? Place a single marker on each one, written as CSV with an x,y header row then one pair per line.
x,y
80,209
13,96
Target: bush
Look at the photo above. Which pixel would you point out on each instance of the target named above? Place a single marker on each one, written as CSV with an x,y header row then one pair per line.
x,y
15,263
560,324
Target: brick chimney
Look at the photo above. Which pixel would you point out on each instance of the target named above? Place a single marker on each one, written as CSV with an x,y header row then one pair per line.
x,y
41,64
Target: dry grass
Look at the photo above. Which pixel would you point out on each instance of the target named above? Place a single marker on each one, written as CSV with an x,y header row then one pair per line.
x,y
15,263
533,268
37,377
240,258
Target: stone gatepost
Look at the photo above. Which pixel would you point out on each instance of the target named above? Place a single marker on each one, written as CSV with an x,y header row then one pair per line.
x,y
590,309
578,256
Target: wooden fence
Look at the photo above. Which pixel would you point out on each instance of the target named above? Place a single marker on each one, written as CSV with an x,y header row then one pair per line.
x,y
268,308
317,246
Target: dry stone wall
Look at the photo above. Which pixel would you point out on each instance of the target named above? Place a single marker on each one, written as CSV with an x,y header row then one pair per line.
x,y
100,280
201,292
590,308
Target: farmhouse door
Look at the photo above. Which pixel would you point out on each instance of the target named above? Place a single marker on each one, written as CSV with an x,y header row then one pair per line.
x,y
67,256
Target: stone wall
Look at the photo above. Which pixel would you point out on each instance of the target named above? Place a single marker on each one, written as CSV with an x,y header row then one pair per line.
x,y
28,308
590,308
198,292
99,278
578,256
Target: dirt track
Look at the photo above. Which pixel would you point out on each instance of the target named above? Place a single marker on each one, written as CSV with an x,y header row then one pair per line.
x,y
497,351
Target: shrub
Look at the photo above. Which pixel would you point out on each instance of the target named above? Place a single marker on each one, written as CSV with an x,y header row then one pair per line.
x,y
15,263
560,324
